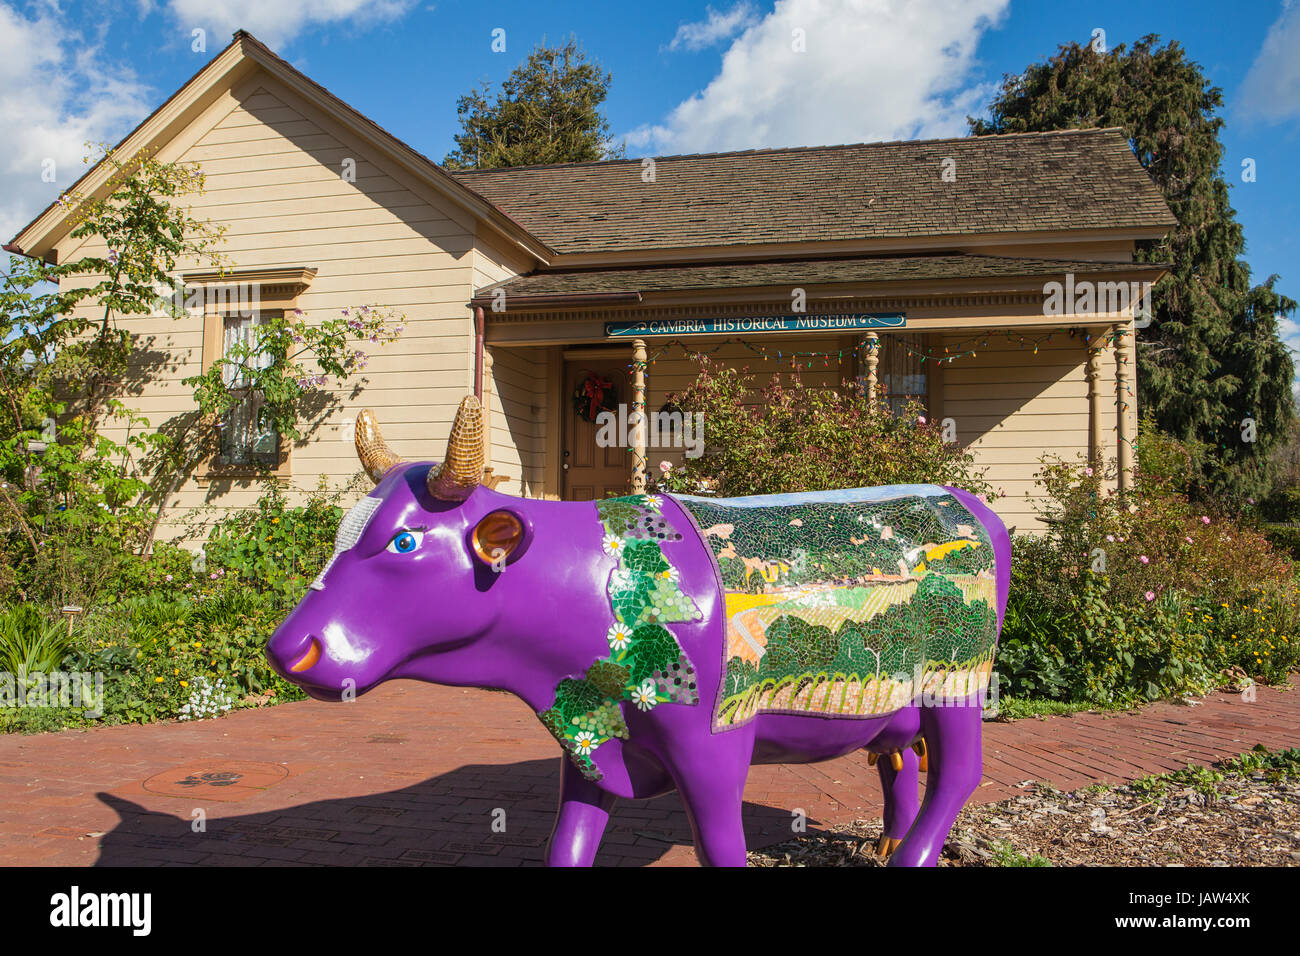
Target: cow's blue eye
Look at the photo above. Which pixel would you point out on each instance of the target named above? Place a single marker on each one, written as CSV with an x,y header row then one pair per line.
x,y
404,542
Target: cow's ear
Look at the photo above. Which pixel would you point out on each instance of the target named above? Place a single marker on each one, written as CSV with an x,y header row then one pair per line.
x,y
498,537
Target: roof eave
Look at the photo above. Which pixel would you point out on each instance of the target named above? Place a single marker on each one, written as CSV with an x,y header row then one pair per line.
x,y
981,285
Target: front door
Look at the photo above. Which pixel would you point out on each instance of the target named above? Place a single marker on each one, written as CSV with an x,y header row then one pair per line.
x,y
592,471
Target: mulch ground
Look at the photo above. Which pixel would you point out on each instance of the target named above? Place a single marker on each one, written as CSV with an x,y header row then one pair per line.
x,y
1245,819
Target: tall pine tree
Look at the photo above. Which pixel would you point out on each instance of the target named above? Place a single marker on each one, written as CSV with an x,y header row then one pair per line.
x,y
1212,358
548,111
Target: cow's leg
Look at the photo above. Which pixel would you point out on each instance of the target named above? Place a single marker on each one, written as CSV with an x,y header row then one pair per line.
x,y
580,823
901,798
712,786
953,743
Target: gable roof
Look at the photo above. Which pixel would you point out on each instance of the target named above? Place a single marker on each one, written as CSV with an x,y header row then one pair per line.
x,y
1076,181
239,59
1026,182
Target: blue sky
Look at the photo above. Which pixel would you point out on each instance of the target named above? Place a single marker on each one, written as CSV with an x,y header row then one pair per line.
x,y
687,76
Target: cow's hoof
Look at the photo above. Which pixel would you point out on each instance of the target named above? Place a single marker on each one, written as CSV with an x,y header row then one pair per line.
x,y
885,846
872,757
896,761
924,763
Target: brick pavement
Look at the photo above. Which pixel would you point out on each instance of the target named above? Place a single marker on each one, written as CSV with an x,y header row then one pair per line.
x,y
414,774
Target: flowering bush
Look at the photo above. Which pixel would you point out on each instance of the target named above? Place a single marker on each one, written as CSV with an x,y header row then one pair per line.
x,y
276,548
206,700
289,356
1142,596
790,437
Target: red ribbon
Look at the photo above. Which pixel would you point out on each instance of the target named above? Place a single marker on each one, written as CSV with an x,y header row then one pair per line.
x,y
594,388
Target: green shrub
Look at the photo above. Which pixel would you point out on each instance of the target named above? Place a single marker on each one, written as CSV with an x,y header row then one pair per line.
x,y
274,548
155,651
789,437
31,642
1148,596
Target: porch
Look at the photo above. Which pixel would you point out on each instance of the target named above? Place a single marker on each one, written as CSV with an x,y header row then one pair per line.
x,y
969,341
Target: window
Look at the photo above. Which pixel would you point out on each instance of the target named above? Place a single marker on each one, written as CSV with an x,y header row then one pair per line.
x,y
242,441
901,373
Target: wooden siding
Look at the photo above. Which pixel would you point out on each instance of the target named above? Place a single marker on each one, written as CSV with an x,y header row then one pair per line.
x,y
273,163
1010,407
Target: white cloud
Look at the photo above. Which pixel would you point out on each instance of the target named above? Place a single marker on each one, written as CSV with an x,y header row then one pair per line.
x,y
1271,90
871,70
276,22
57,92
718,27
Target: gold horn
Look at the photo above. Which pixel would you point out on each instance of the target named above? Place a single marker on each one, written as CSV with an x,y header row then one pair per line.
x,y
376,457
462,469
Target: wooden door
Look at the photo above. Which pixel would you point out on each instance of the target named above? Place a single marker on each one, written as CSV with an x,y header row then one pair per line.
x,y
590,471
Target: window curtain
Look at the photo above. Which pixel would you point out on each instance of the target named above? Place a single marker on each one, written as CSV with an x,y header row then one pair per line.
x,y
242,442
901,371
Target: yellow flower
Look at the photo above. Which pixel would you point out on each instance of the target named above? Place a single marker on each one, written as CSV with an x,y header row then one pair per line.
x,y
157,680
176,672
185,683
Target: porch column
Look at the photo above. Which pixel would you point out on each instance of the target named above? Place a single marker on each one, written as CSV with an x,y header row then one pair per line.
x,y
637,417
871,358
1123,401
1096,446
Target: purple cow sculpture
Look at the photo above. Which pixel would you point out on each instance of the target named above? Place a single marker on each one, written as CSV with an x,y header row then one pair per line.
x,y
670,642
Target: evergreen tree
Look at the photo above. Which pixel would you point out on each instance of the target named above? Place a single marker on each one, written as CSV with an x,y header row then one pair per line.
x,y
548,111
1212,357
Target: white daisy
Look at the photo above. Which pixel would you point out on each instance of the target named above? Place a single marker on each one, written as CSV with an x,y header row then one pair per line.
x,y
618,636
645,696
613,544
585,742
653,501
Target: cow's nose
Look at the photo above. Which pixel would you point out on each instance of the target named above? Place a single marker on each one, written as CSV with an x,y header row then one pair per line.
x,y
292,654
308,658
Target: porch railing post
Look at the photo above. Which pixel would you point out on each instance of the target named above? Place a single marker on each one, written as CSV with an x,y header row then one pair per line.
x,y
1123,402
638,417
871,359
1096,450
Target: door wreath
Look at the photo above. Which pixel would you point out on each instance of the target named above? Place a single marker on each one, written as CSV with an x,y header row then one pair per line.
x,y
593,396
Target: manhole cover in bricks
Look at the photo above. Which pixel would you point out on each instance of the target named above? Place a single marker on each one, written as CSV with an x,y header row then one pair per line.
x,y
222,780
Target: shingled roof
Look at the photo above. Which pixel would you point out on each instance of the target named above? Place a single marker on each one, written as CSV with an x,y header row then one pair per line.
x,y
1068,180
819,272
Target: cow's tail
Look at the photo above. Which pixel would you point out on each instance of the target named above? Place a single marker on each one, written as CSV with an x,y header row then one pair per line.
x,y
1001,541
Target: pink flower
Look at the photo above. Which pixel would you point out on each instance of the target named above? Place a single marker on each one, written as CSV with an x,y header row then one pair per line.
x,y
213,575
167,577
1151,595
1088,472
1144,559
1110,537
665,466
1187,538
920,419
1250,501
1205,519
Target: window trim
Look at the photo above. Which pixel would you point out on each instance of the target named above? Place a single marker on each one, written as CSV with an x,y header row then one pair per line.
x,y
278,291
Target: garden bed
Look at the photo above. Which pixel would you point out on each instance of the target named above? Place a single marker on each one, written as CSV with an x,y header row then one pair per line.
x,y
1244,812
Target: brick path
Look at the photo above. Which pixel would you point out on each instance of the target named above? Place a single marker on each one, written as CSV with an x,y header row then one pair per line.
x,y
411,775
